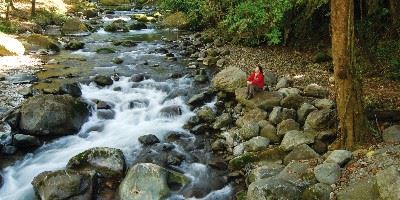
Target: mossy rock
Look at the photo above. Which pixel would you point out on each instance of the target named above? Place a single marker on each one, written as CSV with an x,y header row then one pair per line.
x,y
117,26
138,26
105,50
37,41
109,162
73,26
125,43
74,45
273,154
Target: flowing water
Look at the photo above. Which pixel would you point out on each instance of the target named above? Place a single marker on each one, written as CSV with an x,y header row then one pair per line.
x,y
129,123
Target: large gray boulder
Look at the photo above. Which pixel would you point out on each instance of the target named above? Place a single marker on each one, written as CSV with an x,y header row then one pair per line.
x,y
150,181
263,100
295,138
73,26
301,152
249,131
391,134
315,90
253,115
340,157
229,79
388,183
278,114
273,188
64,184
287,125
292,101
256,143
303,112
327,173
299,173
320,120
269,131
364,189
109,162
25,141
206,114
318,191
267,170
53,115
223,121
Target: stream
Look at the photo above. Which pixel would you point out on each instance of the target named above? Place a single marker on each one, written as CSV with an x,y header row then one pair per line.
x,y
129,122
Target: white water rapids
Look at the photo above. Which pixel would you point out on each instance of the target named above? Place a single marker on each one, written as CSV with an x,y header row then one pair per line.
x,y
122,132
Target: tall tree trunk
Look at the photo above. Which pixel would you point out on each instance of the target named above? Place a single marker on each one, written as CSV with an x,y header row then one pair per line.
x,y
33,8
8,12
347,80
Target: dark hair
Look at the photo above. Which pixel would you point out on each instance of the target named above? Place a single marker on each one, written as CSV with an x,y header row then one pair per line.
x,y
260,68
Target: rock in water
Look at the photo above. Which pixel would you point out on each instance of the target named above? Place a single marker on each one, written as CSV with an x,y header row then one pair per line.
x,y
109,162
150,181
53,115
149,139
103,80
72,89
64,184
73,26
230,79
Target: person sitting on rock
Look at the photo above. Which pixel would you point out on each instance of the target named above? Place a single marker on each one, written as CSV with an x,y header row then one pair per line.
x,y
255,82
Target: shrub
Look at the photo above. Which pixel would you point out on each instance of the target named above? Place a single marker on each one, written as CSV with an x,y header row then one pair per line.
x,y
7,27
45,17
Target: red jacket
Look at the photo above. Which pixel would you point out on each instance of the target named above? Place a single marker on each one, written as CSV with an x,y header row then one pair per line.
x,y
257,80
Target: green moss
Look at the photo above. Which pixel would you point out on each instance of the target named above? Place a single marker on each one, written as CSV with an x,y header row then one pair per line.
x,y
114,2
242,160
242,195
45,17
105,50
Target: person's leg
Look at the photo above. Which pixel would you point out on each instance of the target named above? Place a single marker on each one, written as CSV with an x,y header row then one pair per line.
x,y
252,89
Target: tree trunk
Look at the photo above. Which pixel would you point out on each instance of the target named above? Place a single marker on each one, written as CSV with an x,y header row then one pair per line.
x,y
8,12
347,80
33,8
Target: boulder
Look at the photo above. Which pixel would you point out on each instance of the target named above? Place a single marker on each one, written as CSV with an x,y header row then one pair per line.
x,y
283,83
267,170
150,181
365,189
52,115
72,89
388,183
303,112
238,150
5,134
109,162
295,138
218,145
263,100
249,131
64,184
171,111
149,139
200,99
138,77
301,152
327,173
253,115
35,42
102,81
268,130
256,143
287,125
206,114
73,26
391,134
25,141
223,121
299,173
117,60
74,45
289,91
113,2
229,79
278,114
324,103
320,120
292,101
318,191
314,90
200,129
138,26
22,78
340,157
117,26
273,188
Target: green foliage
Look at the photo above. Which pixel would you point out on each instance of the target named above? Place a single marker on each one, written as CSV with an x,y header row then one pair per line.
x,y
259,21
394,69
45,17
7,27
